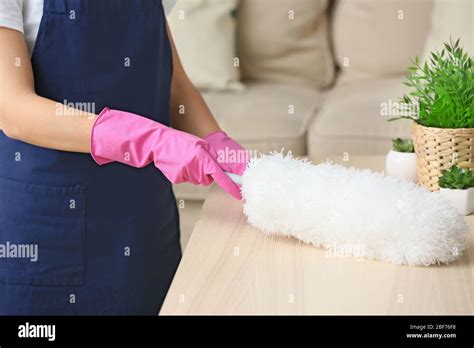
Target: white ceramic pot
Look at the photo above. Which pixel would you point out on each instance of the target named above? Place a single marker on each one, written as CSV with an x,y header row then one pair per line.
x,y
462,200
401,165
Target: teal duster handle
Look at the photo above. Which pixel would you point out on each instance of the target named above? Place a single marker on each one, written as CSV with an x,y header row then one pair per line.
x,y
235,178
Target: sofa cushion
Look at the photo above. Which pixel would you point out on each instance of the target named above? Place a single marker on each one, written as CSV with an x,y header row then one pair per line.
x,y
353,119
264,117
204,33
377,38
285,41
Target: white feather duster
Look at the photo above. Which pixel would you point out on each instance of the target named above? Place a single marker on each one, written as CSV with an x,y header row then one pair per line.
x,y
366,214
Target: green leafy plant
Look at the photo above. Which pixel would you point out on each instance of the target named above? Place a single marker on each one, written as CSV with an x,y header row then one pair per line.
x,y
402,145
442,89
456,178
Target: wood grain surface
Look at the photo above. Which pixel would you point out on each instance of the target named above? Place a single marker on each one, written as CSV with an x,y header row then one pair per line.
x,y
230,267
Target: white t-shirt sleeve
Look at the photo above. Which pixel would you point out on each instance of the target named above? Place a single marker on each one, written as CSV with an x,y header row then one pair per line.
x,y
168,5
11,14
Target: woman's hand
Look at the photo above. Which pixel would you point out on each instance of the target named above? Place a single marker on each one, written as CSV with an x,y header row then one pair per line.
x,y
230,155
138,141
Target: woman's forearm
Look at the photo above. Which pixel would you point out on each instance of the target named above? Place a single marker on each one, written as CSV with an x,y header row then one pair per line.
x,y
189,112
45,123
29,118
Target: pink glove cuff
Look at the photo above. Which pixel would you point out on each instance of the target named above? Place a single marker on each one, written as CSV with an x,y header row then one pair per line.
x,y
218,132
99,160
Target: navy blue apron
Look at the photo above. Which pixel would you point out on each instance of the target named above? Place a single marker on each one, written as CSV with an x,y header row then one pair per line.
x,y
107,237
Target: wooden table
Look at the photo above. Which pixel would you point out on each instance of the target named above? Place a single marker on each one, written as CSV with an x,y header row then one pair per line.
x,y
230,267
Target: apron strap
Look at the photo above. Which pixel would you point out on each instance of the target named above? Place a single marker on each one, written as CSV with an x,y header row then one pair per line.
x,y
101,7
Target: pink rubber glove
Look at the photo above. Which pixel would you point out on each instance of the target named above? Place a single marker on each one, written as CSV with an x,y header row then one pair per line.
x,y
138,141
229,154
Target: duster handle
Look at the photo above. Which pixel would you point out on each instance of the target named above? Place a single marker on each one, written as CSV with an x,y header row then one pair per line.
x,y
235,178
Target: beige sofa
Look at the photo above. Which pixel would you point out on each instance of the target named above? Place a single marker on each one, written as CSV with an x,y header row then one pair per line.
x,y
369,43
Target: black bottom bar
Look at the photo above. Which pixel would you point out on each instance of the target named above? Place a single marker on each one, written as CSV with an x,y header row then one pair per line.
x,y
411,330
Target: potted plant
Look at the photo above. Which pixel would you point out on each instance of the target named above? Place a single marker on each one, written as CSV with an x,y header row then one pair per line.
x,y
457,185
443,96
401,160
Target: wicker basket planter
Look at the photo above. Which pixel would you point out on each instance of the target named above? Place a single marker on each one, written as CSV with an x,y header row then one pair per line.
x,y
438,149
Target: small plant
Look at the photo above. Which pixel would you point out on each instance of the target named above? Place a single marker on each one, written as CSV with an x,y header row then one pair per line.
x,y
457,178
403,145
443,89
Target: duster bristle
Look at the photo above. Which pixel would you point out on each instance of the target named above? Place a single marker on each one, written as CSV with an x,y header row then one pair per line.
x,y
362,213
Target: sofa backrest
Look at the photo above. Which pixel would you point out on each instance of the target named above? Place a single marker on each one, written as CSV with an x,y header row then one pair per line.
x,y
365,38
375,38
285,41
